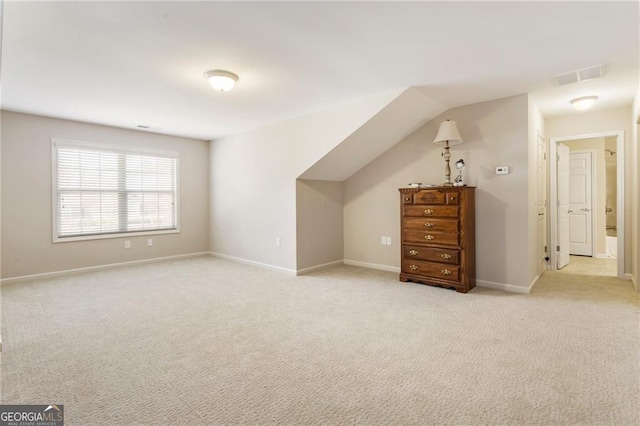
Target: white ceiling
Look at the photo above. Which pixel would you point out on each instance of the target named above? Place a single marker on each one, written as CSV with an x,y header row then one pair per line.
x,y
141,63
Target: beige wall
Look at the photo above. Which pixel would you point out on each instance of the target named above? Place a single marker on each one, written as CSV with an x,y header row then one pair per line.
x,y
495,134
611,176
27,248
319,223
253,180
597,145
635,191
599,122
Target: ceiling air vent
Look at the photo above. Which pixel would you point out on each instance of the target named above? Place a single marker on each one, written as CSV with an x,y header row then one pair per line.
x,y
566,78
579,75
591,72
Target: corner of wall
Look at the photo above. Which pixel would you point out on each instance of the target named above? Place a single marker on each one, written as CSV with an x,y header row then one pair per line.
x,y
319,224
537,193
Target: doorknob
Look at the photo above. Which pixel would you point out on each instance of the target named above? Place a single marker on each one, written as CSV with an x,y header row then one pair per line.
x,y
569,211
585,210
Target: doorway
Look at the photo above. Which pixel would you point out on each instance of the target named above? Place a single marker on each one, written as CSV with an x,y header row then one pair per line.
x,y
560,202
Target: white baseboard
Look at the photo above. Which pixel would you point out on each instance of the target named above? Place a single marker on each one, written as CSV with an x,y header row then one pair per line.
x,y
322,266
534,282
252,263
480,283
604,256
99,268
378,266
506,287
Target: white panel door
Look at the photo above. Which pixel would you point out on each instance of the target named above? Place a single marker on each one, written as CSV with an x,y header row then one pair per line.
x,y
580,214
563,206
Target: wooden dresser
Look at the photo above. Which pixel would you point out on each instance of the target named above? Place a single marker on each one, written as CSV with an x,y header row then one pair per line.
x,y
438,236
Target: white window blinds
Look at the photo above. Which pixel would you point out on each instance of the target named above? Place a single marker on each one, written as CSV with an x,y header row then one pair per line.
x,y
100,190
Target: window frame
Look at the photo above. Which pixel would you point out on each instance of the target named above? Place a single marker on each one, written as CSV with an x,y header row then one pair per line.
x,y
111,148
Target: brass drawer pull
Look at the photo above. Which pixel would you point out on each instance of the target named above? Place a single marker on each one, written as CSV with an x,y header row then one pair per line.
x,y
429,237
415,268
413,252
428,212
445,256
445,272
453,197
429,224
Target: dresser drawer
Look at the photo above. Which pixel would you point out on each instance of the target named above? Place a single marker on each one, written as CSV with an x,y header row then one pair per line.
x,y
429,196
433,254
435,225
430,211
429,237
433,197
431,269
407,198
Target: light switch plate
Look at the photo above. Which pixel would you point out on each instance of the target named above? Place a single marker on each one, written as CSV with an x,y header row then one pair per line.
x,y
502,170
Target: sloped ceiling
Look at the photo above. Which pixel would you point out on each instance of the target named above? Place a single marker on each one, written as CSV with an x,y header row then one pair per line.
x,y
403,115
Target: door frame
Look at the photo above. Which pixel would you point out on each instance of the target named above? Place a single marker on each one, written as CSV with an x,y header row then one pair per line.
x,y
560,239
542,203
594,195
553,193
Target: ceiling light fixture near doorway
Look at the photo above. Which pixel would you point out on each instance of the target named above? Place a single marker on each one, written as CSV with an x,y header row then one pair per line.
x,y
584,102
221,80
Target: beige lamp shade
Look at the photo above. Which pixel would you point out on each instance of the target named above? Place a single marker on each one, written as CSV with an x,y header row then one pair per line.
x,y
448,132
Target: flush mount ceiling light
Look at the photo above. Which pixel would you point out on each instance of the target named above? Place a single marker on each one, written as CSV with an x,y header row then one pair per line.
x,y
584,102
221,80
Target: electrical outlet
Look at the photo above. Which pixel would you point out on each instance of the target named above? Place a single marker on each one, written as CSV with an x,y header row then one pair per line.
x,y
149,242
127,244
388,241
277,241
383,240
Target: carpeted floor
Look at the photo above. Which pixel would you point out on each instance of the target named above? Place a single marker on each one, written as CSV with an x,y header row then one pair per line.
x,y
585,265
207,341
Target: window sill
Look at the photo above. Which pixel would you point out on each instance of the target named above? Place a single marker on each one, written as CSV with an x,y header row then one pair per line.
x,y
57,239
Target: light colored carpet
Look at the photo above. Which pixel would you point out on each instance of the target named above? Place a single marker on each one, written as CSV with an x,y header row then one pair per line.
x,y
584,265
207,341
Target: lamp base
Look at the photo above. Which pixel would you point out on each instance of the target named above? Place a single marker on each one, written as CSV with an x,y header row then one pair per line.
x,y
447,169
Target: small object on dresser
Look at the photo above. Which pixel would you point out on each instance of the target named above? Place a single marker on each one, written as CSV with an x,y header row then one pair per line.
x,y
415,185
460,166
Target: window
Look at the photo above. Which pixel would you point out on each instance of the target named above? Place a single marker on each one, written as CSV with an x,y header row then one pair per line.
x,y
103,191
